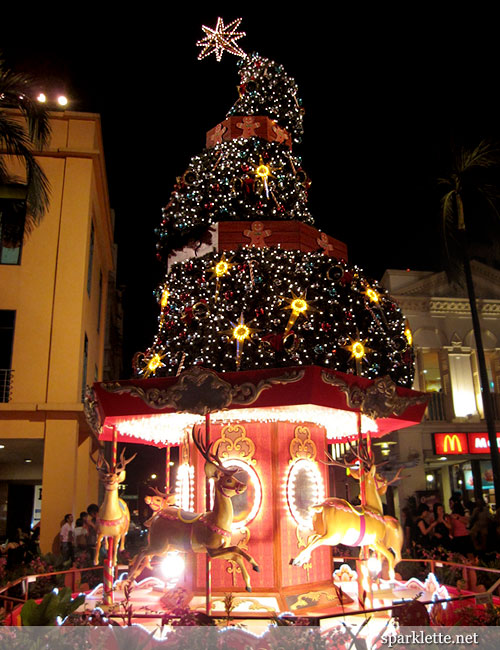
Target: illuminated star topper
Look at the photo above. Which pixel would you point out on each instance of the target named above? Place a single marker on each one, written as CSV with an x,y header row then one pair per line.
x,y
222,38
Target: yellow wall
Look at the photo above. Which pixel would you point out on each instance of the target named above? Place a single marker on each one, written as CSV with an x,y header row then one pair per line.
x,y
54,312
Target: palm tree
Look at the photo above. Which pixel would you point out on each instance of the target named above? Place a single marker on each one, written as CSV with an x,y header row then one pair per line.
x,y
468,185
21,138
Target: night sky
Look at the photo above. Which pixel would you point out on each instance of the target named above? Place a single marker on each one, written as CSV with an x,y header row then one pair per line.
x,y
386,97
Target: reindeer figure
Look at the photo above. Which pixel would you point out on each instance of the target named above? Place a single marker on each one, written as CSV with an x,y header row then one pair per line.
x,y
113,518
173,529
158,501
336,521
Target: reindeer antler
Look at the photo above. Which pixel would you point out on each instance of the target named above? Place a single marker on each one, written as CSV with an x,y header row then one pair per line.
x,y
361,454
206,452
164,495
337,463
397,477
123,462
100,462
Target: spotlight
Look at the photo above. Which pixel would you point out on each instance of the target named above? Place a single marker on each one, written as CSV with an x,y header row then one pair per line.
x,y
42,98
62,100
172,566
374,566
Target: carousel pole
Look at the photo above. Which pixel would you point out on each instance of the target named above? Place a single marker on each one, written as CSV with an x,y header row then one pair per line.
x,y
362,489
109,567
364,581
167,469
208,572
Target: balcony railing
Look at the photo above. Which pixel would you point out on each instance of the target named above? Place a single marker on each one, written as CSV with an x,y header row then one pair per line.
x,y
436,407
6,381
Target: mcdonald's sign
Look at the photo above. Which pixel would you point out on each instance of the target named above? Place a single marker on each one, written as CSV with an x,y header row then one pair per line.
x,y
480,444
449,444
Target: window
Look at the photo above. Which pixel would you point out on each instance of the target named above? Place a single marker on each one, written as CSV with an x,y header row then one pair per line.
x,y
7,321
91,259
462,384
431,373
12,217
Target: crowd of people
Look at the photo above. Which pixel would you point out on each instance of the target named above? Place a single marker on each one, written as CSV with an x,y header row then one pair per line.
x,y
80,536
469,529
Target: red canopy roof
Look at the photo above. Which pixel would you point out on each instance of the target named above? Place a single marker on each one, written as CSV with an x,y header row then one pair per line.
x,y
308,394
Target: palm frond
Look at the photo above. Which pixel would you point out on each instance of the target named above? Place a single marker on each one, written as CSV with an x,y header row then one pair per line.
x,y
16,92
470,185
22,138
485,154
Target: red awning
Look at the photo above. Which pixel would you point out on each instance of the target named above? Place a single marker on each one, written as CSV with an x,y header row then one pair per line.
x,y
307,394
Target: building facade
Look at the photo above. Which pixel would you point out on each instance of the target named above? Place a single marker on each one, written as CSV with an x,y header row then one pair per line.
x,y
53,302
449,450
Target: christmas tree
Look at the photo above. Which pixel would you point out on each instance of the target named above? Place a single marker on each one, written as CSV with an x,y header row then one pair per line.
x,y
281,295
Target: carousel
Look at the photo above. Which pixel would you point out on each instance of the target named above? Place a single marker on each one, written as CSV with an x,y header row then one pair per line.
x,y
249,511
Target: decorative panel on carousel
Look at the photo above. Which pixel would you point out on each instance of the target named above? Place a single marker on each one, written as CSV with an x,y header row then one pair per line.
x,y
244,446
304,481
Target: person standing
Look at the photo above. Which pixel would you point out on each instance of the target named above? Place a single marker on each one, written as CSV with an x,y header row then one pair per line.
x,y
425,527
67,536
461,536
442,529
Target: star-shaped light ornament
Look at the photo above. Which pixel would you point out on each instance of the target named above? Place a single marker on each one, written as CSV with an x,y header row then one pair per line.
x,y
262,173
152,365
241,332
358,352
299,307
221,39
408,333
372,295
219,270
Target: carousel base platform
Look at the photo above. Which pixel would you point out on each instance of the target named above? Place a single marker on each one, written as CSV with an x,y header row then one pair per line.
x,y
332,605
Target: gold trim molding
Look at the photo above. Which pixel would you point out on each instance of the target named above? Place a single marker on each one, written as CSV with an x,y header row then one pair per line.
x,y
202,391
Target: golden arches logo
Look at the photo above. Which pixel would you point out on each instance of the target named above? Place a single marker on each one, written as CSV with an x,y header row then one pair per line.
x,y
450,442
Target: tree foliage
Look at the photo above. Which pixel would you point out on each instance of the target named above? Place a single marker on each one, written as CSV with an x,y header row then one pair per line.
x,y
21,138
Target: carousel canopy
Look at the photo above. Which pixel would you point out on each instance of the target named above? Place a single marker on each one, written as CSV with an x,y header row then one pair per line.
x,y
158,411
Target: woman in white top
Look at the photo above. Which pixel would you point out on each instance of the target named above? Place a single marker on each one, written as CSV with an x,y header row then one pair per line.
x,y
67,536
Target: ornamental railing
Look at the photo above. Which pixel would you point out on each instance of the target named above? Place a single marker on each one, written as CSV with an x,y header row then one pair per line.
x,y
436,407
6,381
75,576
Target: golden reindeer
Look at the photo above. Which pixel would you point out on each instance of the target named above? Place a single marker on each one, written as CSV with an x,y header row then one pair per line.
x,y
172,529
336,521
113,518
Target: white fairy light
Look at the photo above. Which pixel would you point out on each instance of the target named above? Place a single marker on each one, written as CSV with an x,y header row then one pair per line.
x,y
169,428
